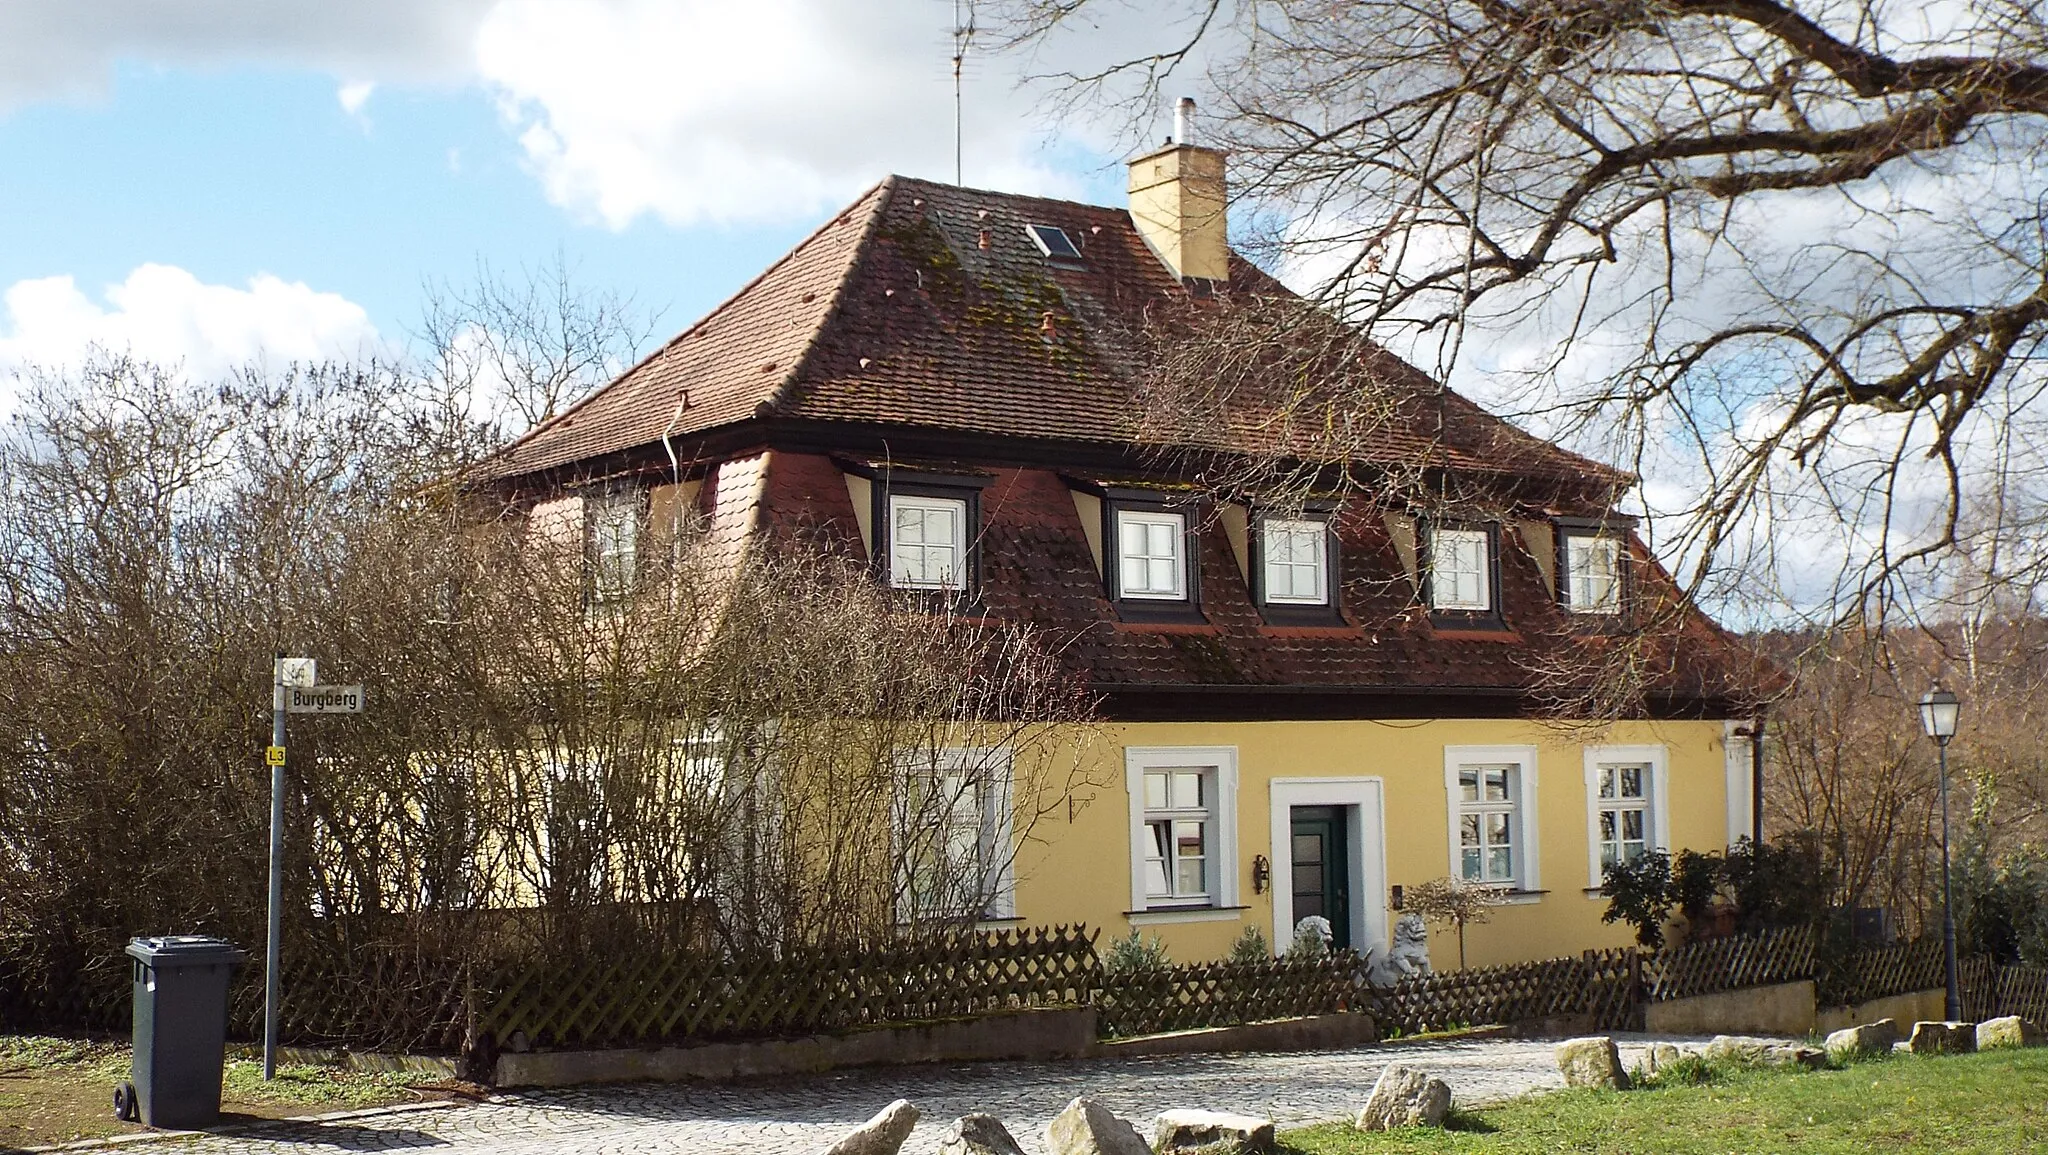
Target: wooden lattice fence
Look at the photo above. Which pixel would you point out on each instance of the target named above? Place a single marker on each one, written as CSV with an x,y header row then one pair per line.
x,y
1502,994
1722,964
1223,994
2023,991
636,1000
1879,972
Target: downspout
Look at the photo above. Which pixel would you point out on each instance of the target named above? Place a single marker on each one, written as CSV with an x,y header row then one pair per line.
x,y
1756,780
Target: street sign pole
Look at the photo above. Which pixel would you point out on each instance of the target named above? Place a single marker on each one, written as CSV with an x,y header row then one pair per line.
x,y
272,946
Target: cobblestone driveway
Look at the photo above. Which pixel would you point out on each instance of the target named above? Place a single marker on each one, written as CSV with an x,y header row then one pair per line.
x,y
799,1116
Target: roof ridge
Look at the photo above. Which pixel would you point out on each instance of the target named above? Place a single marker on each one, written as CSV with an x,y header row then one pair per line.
x,y
713,314
883,193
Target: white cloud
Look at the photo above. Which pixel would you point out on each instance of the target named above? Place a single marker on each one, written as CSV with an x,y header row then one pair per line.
x,y
67,49
695,110
165,314
354,95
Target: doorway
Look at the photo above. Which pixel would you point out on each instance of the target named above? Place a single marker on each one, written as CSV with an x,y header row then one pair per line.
x,y
1321,867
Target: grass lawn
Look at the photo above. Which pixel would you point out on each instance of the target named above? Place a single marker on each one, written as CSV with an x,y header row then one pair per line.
x,y
55,1090
1993,1102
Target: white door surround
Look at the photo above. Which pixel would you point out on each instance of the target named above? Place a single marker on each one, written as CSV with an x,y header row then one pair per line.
x,y
1362,799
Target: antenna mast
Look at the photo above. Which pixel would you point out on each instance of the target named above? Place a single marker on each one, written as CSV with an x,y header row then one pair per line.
x,y
963,32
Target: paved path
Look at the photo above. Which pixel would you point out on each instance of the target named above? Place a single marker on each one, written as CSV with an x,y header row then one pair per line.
x,y
800,1116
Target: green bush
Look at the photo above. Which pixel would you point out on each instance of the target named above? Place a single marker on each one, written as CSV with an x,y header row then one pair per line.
x,y
1134,952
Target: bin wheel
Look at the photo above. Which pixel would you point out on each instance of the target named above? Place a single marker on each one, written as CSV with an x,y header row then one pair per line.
x,y
126,1108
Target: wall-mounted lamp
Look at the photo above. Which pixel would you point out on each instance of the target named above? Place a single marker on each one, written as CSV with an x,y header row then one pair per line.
x,y
1396,898
1262,873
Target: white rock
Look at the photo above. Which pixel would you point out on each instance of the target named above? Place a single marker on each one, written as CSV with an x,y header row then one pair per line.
x,y
1218,1131
2010,1031
1876,1038
882,1135
979,1134
1592,1062
1405,1097
1087,1127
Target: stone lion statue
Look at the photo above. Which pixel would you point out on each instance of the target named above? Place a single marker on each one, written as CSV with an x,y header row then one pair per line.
x,y
1406,957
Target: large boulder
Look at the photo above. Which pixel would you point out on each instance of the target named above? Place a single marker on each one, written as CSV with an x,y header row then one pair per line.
x,y
1946,1038
1592,1062
1866,1041
979,1134
2010,1031
1405,1097
1087,1127
882,1135
1217,1131
1750,1051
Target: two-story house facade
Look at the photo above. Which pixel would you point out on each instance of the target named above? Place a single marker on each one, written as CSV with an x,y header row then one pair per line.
x,y
1305,708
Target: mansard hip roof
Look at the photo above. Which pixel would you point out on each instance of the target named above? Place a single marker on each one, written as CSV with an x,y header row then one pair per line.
x,y
928,306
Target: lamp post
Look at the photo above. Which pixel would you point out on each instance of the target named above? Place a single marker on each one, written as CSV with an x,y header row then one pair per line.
x,y
1938,711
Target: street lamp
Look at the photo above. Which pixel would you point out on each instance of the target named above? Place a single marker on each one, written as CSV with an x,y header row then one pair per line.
x,y
1938,711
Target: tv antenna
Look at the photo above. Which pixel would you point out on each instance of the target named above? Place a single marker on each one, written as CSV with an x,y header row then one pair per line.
x,y
963,34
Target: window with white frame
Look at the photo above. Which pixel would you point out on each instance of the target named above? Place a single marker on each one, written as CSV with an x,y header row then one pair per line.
x,y
1492,800
1592,573
1486,823
1151,551
927,542
1460,569
1178,828
1625,810
1183,827
956,836
612,523
1295,560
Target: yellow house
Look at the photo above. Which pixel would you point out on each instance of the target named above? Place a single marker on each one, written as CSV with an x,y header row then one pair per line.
x,y
1309,705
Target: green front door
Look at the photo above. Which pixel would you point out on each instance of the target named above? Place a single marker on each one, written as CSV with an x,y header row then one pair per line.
x,y
1322,870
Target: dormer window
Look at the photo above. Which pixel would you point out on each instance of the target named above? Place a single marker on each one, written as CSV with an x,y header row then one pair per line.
x,y
1294,561
1461,569
927,542
1152,555
923,528
611,542
1592,572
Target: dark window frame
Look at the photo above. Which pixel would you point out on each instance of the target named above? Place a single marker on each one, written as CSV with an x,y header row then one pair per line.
x,y
1616,527
1182,610
885,483
1331,611
1494,616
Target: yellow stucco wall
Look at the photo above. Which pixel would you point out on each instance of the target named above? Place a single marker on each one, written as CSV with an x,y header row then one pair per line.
x,y
1078,868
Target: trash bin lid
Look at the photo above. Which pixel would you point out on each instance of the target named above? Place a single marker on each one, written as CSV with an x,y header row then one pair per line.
x,y
185,950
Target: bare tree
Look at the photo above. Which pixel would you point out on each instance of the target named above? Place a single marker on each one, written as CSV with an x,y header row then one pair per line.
x,y
1787,257
514,349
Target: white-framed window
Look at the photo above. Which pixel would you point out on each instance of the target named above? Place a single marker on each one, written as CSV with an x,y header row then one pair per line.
x,y
1295,559
1460,569
1592,573
1491,792
1151,550
1183,802
927,542
1626,814
612,522
956,831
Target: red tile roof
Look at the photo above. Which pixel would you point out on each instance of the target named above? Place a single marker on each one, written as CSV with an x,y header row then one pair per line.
x,y
928,306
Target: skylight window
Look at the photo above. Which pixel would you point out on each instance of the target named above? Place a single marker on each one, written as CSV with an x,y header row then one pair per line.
x,y
1054,243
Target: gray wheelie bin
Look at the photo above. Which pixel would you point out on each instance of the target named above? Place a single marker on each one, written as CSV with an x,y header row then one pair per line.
x,y
181,1027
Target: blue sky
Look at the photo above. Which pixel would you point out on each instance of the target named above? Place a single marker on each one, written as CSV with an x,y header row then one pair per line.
x,y
215,189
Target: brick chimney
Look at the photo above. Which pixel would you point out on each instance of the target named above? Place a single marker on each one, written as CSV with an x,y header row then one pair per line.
x,y
1177,202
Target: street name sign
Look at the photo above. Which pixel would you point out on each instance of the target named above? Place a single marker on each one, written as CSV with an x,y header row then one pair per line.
x,y
323,699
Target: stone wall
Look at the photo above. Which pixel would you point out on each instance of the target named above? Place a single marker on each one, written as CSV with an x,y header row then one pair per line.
x,y
1784,1009
1909,1008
